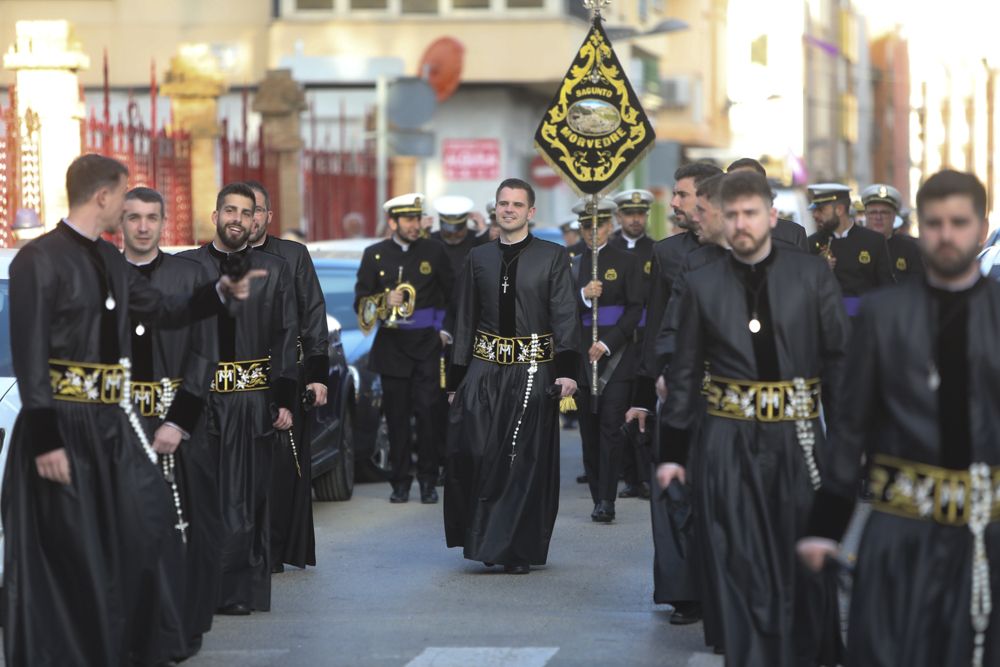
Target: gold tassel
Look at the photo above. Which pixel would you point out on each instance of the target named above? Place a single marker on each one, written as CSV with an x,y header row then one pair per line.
x,y
567,405
443,370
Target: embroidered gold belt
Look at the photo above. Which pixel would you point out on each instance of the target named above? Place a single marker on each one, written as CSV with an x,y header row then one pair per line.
x,y
748,400
84,382
148,397
922,491
232,376
515,350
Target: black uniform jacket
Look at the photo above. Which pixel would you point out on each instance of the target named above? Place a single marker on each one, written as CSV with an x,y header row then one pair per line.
x,y
314,335
425,266
862,259
188,353
263,326
459,251
618,310
59,308
905,257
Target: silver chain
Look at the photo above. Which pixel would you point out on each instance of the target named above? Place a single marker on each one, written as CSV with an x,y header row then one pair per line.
x,y
804,431
981,505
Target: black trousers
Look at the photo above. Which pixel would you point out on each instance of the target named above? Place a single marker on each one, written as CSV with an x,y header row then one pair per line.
x,y
402,398
602,437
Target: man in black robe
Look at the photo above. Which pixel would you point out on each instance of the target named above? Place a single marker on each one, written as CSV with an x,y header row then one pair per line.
x,y
619,293
171,371
921,405
293,538
769,324
786,231
516,334
882,203
85,506
632,216
858,256
253,393
678,585
407,350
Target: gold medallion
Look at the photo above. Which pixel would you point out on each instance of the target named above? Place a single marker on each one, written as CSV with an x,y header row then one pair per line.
x,y
425,268
864,257
611,274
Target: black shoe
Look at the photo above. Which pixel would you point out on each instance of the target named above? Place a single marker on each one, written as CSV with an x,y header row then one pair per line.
x,y
277,568
686,613
428,494
236,609
518,568
400,493
581,479
630,491
604,512
488,564
644,491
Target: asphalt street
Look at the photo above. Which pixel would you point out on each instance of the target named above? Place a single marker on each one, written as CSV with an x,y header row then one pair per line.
x,y
386,592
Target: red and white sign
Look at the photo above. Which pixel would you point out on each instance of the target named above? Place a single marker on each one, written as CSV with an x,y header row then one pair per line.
x,y
471,159
543,174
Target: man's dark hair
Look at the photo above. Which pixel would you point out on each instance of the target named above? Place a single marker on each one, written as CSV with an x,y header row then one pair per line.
x,y
149,196
699,171
710,187
241,189
258,187
89,173
747,163
517,184
949,182
745,184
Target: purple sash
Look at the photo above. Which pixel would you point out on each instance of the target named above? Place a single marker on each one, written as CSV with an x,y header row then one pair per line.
x,y
852,304
606,316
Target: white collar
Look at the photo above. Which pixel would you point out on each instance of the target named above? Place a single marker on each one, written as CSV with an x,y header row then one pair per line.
x,y
79,231
227,251
844,235
631,241
402,244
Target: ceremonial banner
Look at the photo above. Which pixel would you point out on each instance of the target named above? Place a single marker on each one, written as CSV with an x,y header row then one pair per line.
x,y
594,130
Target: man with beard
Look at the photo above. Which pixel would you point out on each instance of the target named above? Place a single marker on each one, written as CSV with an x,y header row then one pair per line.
x,y
86,509
516,334
678,581
678,588
858,256
171,371
632,216
253,393
293,539
882,204
407,350
768,324
924,380
787,231
619,292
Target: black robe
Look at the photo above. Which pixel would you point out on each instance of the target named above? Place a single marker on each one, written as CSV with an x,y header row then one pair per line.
x,y
499,511
911,595
749,480
191,568
81,561
293,538
239,424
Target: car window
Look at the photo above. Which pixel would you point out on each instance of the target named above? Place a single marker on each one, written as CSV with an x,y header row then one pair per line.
x,y
337,283
6,358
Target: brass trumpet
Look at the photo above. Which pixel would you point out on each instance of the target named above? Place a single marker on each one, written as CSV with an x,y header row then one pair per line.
x,y
400,314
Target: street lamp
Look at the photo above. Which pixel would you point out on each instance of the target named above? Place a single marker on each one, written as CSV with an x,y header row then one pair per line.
x,y
27,226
